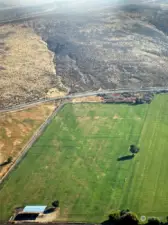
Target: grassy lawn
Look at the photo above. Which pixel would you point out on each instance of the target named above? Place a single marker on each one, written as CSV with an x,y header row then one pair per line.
x,y
75,161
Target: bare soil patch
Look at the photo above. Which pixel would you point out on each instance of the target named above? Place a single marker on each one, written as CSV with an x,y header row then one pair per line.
x,y
88,99
96,117
115,117
50,217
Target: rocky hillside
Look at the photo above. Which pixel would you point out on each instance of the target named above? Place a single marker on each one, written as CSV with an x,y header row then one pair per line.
x,y
122,46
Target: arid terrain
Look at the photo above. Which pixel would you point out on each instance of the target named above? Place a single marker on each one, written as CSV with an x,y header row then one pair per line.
x,y
16,128
88,99
108,48
86,49
27,71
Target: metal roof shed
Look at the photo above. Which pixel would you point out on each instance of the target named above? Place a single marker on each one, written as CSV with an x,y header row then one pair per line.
x,y
34,209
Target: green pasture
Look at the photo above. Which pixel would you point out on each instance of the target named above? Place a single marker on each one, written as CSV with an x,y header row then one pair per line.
x,y
75,161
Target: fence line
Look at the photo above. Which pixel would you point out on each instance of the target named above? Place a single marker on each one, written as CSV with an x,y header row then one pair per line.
x,y
32,140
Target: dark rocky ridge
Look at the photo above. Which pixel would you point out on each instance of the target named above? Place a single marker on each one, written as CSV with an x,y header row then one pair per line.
x,y
108,48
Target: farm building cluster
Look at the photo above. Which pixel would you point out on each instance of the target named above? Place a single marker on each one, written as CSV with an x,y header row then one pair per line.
x,y
129,98
38,213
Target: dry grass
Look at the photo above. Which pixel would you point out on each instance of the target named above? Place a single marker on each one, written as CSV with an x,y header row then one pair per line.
x,y
88,99
16,128
26,66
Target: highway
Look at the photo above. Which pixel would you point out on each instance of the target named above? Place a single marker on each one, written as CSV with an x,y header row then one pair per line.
x,y
79,95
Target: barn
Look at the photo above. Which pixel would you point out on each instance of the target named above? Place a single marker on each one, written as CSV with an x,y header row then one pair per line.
x,y
29,213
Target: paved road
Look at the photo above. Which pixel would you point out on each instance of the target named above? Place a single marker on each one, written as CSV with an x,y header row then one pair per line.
x,y
82,94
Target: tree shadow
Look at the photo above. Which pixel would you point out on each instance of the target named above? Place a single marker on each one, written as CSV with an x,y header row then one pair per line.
x,y
4,163
124,158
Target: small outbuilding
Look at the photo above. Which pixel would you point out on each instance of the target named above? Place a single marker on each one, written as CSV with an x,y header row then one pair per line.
x,y
29,213
34,209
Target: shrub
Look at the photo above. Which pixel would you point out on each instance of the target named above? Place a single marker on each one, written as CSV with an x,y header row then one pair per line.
x,y
114,216
123,212
9,160
129,218
153,221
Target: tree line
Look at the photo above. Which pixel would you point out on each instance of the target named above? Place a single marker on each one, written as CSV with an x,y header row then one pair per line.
x,y
124,217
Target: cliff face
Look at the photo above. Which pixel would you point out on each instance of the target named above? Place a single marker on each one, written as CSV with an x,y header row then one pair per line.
x,y
109,47
27,70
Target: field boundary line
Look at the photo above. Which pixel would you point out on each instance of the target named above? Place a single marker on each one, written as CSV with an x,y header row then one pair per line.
x,y
33,139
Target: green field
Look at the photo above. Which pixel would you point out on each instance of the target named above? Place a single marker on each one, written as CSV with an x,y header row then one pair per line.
x,y
75,161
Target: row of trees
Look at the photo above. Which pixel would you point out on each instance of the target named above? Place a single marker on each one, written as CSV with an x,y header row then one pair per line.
x,y
125,217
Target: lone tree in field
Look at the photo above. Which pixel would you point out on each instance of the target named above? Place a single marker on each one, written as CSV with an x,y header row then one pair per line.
x,y
9,160
134,149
